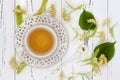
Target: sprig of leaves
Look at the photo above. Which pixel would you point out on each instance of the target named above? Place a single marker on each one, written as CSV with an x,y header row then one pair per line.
x,y
88,23
105,48
102,54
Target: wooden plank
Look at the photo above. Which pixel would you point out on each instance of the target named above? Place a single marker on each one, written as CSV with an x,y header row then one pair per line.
x,y
114,15
1,12
110,39
26,73
8,39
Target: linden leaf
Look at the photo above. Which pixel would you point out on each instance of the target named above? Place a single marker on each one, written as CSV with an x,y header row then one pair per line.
x,y
83,21
107,49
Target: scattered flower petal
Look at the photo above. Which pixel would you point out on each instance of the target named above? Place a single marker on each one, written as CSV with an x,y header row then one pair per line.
x,y
13,64
95,68
61,75
105,22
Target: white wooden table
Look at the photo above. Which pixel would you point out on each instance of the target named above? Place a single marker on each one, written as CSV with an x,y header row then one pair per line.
x,y
101,9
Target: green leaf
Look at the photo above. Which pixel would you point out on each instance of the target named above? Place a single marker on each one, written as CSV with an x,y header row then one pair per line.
x,y
83,21
19,18
21,66
42,8
107,49
111,30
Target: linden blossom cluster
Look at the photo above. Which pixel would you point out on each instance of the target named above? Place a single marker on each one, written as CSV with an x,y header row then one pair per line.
x,y
52,10
92,21
65,16
19,10
101,61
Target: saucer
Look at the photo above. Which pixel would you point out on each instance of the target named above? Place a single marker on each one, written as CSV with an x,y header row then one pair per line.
x,y
42,61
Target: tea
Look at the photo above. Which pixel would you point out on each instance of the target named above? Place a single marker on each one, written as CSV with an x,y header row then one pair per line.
x,y
40,41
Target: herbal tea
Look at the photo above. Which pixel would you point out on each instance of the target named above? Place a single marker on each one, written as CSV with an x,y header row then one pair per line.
x,y
40,41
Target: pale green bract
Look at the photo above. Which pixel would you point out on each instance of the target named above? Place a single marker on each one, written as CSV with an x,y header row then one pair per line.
x,y
42,8
21,66
111,30
19,18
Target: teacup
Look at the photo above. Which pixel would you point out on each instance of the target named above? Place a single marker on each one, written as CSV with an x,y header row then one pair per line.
x,y
40,41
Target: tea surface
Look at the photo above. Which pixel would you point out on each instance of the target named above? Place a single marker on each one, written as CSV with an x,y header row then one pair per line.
x,y
40,41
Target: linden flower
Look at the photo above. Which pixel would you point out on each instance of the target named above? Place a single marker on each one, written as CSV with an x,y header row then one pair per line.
x,y
13,64
95,68
84,37
61,75
105,22
52,10
19,11
65,16
102,36
102,59
92,21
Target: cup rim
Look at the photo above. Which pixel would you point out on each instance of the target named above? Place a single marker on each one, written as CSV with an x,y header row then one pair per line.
x,y
51,51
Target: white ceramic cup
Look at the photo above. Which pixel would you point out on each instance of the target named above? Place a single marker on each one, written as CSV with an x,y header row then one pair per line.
x,y
49,30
